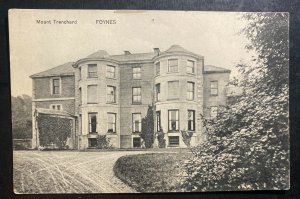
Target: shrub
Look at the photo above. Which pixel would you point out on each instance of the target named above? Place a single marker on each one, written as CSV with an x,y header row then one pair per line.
x,y
147,133
103,142
186,137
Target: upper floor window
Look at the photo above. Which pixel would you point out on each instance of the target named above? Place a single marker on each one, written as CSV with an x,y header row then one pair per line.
x,y
190,68
80,96
173,90
191,120
110,71
136,95
56,107
158,121
214,87
190,90
92,94
173,120
213,112
79,69
136,122
173,65
56,86
157,87
111,122
92,122
92,70
111,94
136,71
157,66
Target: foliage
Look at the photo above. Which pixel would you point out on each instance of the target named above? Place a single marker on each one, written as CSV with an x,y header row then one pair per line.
x,y
159,172
186,137
161,138
147,133
103,142
247,144
21,117
54,130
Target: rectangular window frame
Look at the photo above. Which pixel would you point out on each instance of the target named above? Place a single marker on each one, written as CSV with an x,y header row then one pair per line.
x,y
91,123
55,91
190,67
133,96
139,123
57,107
214,88
170,70
191,121
92,142
158,121
190,94
92,74
157,91
157,68
170,129
136,75
110,96
173,144
110,71
114,123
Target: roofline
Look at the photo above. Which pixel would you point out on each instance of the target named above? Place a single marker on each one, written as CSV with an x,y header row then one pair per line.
x,y
75,65
165,54
52,75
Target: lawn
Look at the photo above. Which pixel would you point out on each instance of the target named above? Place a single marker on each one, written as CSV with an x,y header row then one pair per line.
x,y
155,172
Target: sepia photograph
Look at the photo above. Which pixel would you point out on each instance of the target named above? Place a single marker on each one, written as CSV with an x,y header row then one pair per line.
x,y
148,101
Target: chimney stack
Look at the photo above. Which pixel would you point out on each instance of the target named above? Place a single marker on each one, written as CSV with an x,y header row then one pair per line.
x,y
156,50
126,52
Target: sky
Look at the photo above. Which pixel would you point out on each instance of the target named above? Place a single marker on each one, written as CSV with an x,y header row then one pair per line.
x,y
37,47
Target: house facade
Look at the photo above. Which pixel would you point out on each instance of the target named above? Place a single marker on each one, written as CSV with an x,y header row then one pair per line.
x,y
104,94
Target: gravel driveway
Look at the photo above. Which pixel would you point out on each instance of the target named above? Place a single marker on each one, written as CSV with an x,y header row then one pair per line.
x,y
68,172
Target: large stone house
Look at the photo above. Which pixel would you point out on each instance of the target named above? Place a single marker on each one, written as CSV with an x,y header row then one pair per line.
x,y
110,94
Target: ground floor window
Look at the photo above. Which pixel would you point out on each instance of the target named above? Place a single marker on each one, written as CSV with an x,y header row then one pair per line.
x,y
111,122
137,142
173,120
173,140
92,142
92,122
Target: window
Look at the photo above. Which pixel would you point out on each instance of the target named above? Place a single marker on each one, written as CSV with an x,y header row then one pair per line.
x,y
136,71
158,121
173,140
173,120
190,67
92,122
136,95
157,65
136,122
173,65
80,96
56,107
191,120
157,86
56,86
190,91
136,142
79,73
110,71
111,94
111,123
214,87
92,94
173,90
213,112
92,142
92,70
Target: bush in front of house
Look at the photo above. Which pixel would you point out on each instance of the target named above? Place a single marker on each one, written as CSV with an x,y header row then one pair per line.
x,y
103,142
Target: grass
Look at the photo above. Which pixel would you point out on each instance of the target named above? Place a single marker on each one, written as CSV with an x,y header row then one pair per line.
x,y
156,172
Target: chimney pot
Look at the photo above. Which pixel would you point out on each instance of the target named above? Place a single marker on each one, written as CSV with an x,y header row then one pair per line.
x,y
156,50
126,52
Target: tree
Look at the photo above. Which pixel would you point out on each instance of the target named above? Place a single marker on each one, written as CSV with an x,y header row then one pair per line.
x,y
21,117
147,133
247,144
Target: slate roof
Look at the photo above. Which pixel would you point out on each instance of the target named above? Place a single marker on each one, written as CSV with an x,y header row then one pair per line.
x,y
64,69
215,69
133,57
